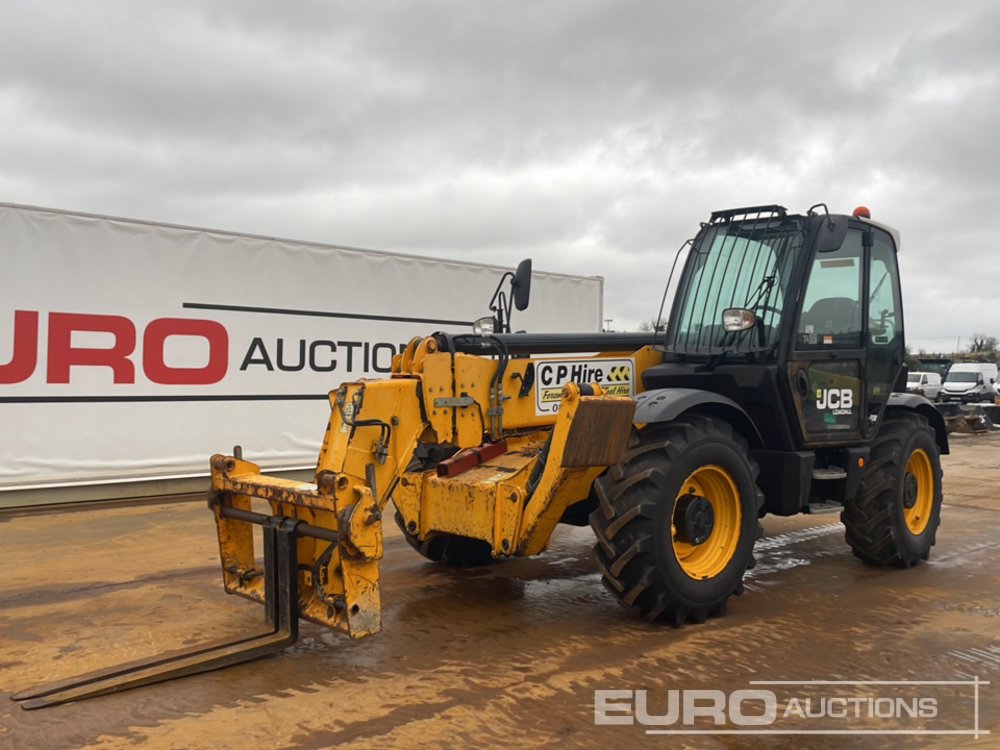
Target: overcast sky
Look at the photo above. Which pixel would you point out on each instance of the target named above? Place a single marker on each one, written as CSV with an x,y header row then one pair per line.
x,y
591,136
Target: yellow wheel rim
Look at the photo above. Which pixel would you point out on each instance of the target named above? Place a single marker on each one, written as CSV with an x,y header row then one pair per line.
x,y
708,559
918,491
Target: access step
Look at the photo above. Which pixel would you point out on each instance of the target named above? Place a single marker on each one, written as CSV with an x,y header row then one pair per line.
x,y
830,472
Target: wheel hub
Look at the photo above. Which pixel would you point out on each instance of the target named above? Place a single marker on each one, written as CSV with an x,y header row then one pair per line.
x,y
910,490
694,519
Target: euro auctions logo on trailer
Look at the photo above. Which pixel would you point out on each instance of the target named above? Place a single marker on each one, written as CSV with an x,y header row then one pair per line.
x,y
131,349
615,376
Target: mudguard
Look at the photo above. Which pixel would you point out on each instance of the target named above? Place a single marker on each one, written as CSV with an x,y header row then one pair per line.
x,y
666,404
921,405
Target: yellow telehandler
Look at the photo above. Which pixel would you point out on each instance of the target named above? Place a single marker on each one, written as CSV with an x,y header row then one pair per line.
x,y
778,382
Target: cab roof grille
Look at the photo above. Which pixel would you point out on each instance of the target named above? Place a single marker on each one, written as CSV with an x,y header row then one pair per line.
x,y
755,212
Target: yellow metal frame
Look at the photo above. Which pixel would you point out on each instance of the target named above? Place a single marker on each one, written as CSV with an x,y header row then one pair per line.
x,y
434,398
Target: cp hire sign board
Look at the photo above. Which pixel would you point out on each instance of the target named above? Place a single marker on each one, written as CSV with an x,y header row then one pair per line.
x,y
136,350
615,376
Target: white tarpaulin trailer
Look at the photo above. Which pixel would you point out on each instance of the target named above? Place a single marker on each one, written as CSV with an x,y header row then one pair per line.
x,y
131,351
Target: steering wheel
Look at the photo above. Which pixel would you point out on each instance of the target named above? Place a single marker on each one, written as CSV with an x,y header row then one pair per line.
x,y
880,325
760,310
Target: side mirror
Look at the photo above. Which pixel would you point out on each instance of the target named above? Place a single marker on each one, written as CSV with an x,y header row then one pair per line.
x,y
831,234
521,284
737,319
520,291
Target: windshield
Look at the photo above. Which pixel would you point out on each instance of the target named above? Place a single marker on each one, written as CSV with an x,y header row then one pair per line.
x,y
913,377
963,377
739,265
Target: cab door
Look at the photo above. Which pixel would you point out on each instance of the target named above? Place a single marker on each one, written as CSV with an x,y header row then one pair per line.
x,y
849,349
884,341
827,361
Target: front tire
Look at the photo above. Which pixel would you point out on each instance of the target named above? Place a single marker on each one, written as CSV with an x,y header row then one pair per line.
x,y
893,520
677,520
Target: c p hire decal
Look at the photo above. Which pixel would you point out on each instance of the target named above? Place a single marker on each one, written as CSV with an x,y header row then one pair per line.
x,y
615,376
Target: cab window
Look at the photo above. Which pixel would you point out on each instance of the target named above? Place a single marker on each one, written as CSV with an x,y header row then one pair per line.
x,y
831,308
884,320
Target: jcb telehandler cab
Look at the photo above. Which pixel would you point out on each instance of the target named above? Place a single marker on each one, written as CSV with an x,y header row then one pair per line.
x,y
778,382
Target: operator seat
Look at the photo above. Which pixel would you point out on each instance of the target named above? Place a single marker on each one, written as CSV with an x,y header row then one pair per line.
x,y
833,315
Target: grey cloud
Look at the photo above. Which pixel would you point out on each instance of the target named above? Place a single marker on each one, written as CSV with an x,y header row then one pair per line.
x,y
591,135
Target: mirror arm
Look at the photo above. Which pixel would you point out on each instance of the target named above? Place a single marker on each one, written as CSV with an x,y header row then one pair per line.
x,y
499,304
500,307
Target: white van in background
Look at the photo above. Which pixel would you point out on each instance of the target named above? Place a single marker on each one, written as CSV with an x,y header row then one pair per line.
x,y
970,382
927,384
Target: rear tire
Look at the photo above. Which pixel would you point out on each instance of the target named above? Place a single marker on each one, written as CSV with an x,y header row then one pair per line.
x,y
647,549
904,470
449,549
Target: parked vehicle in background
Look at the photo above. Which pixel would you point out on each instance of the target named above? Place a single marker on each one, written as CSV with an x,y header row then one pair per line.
x,y
927,384
970,383
937,365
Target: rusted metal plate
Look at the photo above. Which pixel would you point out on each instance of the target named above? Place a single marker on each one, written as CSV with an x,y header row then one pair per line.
x,y
599,432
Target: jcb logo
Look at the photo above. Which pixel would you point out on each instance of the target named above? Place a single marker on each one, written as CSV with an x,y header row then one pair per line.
x,y
834,398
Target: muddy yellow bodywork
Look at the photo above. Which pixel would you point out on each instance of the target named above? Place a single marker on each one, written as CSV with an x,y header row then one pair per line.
x,y
369,455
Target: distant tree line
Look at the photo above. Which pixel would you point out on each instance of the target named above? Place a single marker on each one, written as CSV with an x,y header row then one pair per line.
x,y
981,343
981,348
